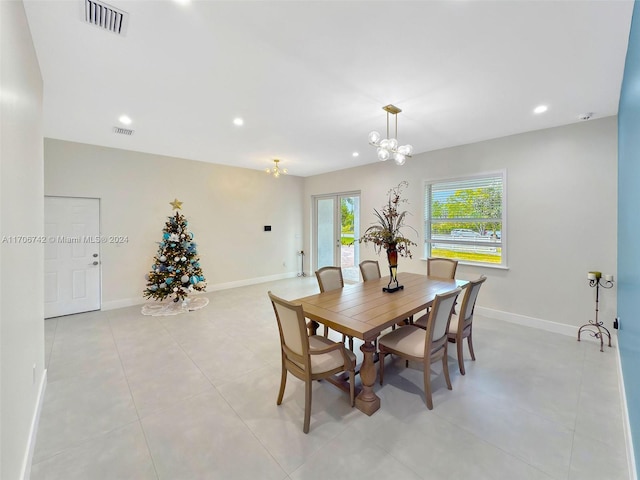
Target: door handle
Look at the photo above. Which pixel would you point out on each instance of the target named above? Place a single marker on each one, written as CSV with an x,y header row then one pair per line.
x,y
95,255
94,263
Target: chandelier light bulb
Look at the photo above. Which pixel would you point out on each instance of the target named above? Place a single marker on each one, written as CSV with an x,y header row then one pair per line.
x,y
399,158
383,154
392,144
384,143
374,138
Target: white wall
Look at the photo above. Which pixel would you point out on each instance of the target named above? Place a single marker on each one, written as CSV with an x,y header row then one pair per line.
x,y
21,278
562,190
226,208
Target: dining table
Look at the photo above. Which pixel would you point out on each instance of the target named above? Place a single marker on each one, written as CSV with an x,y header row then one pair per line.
x,y
363,311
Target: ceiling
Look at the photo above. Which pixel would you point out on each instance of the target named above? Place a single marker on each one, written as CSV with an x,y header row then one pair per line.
x,y
310,78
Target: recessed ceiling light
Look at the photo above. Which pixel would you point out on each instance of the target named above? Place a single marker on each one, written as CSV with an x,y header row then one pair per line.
x,y
183,2
125,120
238,121
540,109
355,154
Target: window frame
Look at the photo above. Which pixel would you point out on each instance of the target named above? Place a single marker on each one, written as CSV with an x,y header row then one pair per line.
x,y
428,241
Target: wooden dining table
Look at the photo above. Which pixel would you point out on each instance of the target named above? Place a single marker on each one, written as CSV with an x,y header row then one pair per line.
x,y
363,310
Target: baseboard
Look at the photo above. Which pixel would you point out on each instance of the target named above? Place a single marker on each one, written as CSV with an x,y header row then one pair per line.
x,y
31,445
631,459
130,302
532,322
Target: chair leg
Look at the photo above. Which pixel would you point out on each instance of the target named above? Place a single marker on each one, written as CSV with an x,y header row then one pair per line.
x,y
307,406
351,343
470,342
460,356
445,369
427,386
283,383
381,355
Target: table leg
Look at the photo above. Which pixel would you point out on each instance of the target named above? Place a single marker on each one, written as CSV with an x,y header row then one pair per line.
x,y
367,401
312,326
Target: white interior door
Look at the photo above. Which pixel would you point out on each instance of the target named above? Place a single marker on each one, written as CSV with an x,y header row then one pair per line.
x,y
71,255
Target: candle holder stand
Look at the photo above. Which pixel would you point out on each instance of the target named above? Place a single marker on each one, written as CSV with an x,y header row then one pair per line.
x,y
301,274
596,327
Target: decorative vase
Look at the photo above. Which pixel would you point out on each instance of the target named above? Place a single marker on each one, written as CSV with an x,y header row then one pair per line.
x,y
392,257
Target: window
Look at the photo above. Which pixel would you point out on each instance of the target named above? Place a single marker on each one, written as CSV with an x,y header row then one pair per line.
x,y
464,219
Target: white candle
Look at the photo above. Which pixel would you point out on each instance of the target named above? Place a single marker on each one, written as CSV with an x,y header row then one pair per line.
x,y
591,276
608,278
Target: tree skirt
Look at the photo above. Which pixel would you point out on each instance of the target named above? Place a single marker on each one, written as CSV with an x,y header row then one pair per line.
x,y
174,308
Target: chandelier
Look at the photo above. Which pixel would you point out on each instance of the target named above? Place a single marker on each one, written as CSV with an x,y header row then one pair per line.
x,y
276,171
388,147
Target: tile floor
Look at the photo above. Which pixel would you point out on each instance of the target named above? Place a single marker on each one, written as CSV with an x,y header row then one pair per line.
x,y
193,396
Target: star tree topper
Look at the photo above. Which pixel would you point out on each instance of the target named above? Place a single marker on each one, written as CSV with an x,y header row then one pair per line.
x,y
176,204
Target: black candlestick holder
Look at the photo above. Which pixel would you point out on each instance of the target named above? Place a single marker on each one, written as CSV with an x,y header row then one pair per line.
x,y
393,285
596,327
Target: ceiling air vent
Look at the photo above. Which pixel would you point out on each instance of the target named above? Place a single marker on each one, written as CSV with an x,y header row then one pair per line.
x,y
122,131
106,17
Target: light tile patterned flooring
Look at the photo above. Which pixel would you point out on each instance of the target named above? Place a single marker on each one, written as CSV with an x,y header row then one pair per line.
x,y
193,396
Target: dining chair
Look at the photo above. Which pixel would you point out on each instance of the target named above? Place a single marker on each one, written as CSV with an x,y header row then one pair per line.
x,y
461,325
308,357
427,346
330,278
442,267
370,270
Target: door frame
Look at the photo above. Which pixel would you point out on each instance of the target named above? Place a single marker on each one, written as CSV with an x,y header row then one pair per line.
x,y
337,225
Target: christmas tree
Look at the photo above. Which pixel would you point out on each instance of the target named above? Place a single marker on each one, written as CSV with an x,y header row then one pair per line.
x,y
176,268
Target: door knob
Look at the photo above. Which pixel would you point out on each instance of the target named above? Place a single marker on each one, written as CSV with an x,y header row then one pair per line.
x,y
95,255
94,263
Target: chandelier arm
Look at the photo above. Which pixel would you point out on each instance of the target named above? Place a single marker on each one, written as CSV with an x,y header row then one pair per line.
x,y
387,137
396,137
